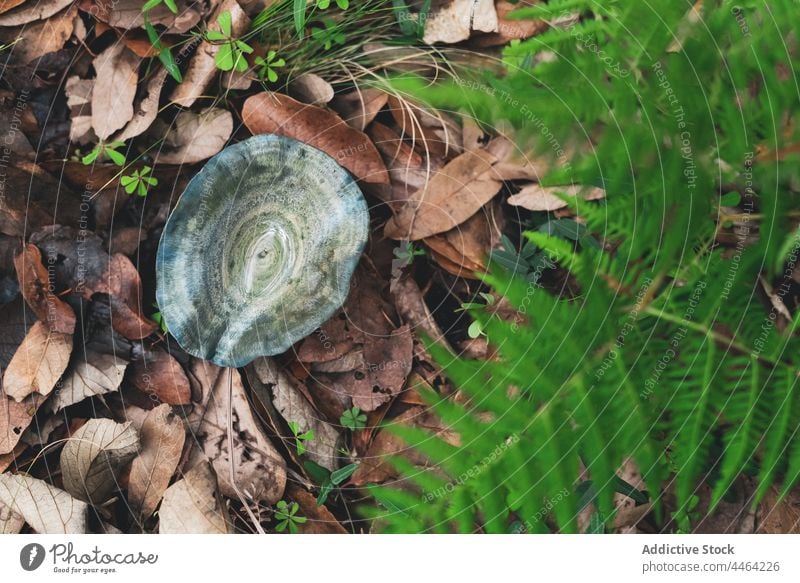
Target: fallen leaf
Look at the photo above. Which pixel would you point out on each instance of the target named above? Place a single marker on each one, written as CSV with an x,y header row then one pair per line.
x,y
535,197
36,288
320,520
145,110
293,406
274,113
47,509
114,89
464,249
91,374
32,11
93,457
39,38
193,506
197,136
453,195
358,108
38,363
413,310
311,88
6,5
15,418
255,468
513,163
10,521
79,101
128,14
162,437
776,516
159,375
456,19
203,68
508,30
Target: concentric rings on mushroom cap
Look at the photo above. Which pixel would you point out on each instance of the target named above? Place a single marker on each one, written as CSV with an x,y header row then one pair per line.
x,y
259,250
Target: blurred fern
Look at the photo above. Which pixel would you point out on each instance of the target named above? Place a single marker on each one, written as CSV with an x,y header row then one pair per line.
x,y
667,351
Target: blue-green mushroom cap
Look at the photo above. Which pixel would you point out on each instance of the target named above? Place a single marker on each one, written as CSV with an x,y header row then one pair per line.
x,y
260,250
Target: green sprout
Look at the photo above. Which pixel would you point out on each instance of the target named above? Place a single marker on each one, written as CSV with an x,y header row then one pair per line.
x,y
475,329
286,514
353,419
268,66
105,150
407,253
300,438
326,479
325,4
329,35
150,4
164,53
158,318
231,54
139,182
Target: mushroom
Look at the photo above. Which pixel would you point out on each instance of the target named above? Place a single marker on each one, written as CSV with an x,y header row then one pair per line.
x,y
259,250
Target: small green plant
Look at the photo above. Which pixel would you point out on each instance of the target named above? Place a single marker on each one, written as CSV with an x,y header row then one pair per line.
x,y
329,34
158,318
287,517
150,4
406,252
300,439
353,419
105,150
325,4
326,479
267,66
232,51
164,53
476,329
139,181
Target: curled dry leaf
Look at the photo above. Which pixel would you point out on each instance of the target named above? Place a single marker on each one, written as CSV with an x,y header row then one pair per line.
x,y
32,11
453,195
159,375
91,373
162,437
36,289
535,197
197,136
254,469
93,457
455,20
114,89
274,113
79,101
192,505
293,406
38,363
202,68
145,110
47,509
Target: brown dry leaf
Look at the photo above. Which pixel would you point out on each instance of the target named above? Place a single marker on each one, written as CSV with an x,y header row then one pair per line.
x,y
15,418
93,457
776,516
535,197
91,374
47,509
412,308
293,406
358,108
274,113
159,374
467,246
375,466
38,363
202,69
10,521
162,437
39,38
514,164
32,11
192,505
197,136
79,101
6,5
453,195
311,88
114,89
320,520
123,285
36,289
146,109
508,30
452,21
128,14
255,469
